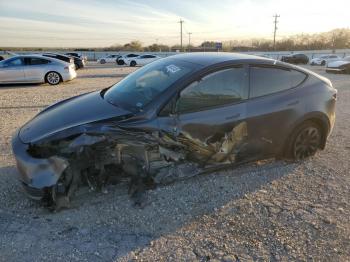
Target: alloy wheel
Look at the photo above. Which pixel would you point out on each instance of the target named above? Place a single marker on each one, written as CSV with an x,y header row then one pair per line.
x,y
53,78
307,142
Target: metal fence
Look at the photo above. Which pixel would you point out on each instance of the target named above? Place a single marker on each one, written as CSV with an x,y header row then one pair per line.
x,y
93,56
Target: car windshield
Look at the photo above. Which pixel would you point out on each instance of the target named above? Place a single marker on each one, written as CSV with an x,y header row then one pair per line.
x,y
140,88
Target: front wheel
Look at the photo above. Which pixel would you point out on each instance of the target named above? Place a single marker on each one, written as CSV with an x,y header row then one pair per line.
x,y
323,63
132,63
305,141
102,61
53,78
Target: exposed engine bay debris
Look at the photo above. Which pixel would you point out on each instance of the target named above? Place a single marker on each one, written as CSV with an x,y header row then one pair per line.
x,y
144,160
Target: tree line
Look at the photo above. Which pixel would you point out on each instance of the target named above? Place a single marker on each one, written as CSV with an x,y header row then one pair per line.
x,y
335,39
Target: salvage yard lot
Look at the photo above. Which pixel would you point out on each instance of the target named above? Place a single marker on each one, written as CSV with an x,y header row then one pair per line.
x,y
269,210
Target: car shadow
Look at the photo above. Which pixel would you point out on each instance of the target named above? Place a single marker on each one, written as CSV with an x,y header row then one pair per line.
x,y
14,86
103,76
111,225
22,107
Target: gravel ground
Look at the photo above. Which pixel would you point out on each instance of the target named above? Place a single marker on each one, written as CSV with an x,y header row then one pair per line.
x,y
264,211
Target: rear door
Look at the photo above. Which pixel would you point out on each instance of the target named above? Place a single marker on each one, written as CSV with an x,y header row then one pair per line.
x,y
209,118
275,102
12,71
35,69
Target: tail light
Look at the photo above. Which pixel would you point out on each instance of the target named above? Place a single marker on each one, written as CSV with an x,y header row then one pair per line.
x,y
335,95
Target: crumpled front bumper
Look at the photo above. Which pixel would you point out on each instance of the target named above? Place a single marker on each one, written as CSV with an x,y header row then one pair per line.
x,y
36,174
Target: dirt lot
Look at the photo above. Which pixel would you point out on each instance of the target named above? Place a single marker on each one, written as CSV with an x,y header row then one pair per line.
x,y
266,211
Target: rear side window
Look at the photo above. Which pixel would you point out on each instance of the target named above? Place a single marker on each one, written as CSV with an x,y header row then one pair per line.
x,y
269,80
216,89
38,61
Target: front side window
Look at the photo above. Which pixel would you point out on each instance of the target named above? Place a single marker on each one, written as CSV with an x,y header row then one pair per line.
x,y
269,80
15,62
216,89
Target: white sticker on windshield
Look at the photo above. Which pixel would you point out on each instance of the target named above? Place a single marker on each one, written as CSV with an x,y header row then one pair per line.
x,y
172,69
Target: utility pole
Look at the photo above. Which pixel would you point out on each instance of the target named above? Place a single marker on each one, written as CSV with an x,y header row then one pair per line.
x,y
274,33
189,40
181,22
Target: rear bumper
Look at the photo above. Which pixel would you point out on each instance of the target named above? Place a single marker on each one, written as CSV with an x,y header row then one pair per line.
x,y
67,76
36,174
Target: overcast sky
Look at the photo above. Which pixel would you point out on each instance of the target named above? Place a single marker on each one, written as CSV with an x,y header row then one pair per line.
x,y
93,23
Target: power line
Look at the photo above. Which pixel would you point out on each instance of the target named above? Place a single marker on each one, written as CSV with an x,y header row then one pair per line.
x,y
275,30
181,22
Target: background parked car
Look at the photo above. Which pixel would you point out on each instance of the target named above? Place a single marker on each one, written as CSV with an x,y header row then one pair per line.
x,y
121,59
295,59
84,58
141,60
323,60
108,59
340,66
35,69
78,62
64,58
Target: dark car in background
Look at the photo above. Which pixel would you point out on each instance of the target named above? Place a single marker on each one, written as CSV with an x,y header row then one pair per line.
x,y
295,59
79,63
78,56
176,117
64,58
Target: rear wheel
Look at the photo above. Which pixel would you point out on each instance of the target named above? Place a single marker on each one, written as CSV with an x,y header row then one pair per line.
x,y
132,63
305,141
102,61
323,63
53,78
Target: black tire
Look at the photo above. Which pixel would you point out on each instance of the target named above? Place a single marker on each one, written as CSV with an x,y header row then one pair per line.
x,y
53,78
102,61
305,140
323,63
312,63
133,63
120,62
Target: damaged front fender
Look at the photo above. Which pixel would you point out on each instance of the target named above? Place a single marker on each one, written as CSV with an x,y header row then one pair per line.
x,y
141,157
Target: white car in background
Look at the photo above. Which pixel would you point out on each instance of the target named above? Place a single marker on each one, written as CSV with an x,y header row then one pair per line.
x,y
121,59
35,69
108,59
141,60
324,60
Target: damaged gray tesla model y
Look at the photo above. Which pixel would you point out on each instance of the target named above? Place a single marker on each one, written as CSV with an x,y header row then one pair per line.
x,y
174,118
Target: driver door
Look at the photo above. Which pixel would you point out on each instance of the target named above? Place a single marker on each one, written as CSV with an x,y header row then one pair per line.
x,y
12,71
209,116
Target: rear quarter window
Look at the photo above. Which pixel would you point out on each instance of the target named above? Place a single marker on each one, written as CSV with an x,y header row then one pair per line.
x,y
269,80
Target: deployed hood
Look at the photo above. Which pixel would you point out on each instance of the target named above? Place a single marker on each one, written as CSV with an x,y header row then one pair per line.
x,y
69,113
338,63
